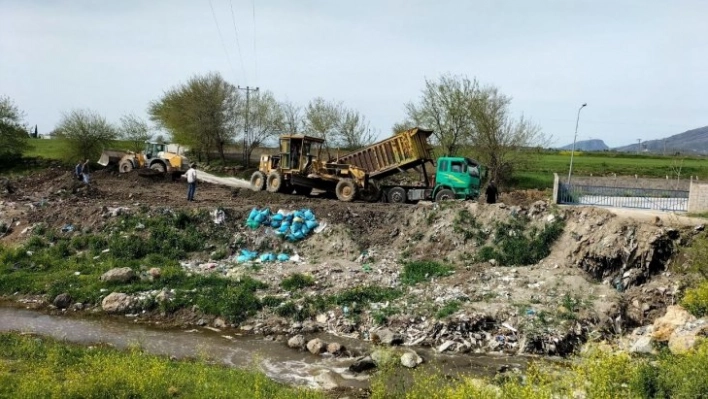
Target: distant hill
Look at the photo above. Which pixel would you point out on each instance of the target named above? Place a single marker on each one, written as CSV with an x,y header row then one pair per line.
x,y
691,141
587,145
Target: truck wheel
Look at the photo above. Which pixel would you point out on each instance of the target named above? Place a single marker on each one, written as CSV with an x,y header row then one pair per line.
x,y
371,194
444,195
396,195
302,190
158,167
345,190
274,183
125,167
258,181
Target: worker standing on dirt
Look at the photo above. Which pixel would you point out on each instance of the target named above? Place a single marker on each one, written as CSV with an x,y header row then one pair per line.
x,y
77,171
191,181
85,171
491,193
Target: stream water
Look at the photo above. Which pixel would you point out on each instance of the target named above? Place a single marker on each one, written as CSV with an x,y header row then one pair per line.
x,y
274,358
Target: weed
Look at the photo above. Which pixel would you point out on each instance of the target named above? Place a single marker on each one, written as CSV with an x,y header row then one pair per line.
x,y
449,308
516,244
695,300
297,281
419,271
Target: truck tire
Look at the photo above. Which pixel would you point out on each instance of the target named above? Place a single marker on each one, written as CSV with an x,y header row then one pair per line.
x,y
158,167
258,181
345,190
274,182
125,166
396,195
444,195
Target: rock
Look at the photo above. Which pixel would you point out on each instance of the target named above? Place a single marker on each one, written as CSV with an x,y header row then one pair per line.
x,y
297,342
383,357
685,338
551,218
329,379
62,301
155,272
664,326
445,346
642,345
322,318
411,359
387,337
77,306
163,296
219,323
335,348
316,346
118,275
362,364
117,302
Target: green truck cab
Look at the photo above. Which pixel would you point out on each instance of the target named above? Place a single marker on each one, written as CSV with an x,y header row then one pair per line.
x,y
457,177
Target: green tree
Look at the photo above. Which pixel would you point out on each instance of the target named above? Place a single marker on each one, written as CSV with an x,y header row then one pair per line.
x,y
86,134
294,121
201,114
13,131
135,130
354,131
337,124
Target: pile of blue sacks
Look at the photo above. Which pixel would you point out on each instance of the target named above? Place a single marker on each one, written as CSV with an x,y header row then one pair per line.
x,y
294,226
248,256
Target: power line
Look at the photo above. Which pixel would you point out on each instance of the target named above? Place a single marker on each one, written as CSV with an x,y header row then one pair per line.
x,y
221,37
255,53
238,44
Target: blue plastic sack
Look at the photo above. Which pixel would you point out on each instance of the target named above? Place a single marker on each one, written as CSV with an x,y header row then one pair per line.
x,y
283,257
311,224
308,215
267,257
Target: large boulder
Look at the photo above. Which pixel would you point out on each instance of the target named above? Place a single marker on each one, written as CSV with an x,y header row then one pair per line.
x,y
335,348
316,346
362,364
685,338
675,317
329,379
642,345
117,302
411,359
297,342
387,337
384,357
118,275
62,301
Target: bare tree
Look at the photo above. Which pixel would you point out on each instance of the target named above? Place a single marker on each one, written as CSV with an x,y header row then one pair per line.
x,y
294,120
322,118
444,106
354,131
266,120
135,130
500,141
86,133
401,127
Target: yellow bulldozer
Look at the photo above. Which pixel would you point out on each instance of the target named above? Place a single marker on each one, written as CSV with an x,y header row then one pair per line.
x,y
153,160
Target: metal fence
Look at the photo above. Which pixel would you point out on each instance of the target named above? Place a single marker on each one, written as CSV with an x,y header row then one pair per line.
x,y
624,197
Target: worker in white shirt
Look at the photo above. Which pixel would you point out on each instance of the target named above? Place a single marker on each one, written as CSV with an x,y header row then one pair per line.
x,y
191,181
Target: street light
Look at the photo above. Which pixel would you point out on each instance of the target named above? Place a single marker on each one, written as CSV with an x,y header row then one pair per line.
x,y
570,171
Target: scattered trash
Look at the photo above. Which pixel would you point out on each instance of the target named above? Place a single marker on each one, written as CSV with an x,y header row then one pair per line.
x,y
366,268
139,226
68,228
246,256
218,216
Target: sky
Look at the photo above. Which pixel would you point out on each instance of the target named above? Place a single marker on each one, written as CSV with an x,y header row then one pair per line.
x,y
639,65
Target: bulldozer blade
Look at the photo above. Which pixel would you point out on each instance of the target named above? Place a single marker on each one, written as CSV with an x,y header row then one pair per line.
x,y
111,157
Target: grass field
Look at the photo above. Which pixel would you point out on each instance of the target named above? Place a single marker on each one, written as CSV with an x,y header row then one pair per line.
x,y
56,148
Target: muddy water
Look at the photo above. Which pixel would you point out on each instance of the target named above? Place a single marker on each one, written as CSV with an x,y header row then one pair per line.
x,y
274,358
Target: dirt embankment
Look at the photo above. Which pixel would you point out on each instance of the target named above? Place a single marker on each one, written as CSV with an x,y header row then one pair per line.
x,y
603,274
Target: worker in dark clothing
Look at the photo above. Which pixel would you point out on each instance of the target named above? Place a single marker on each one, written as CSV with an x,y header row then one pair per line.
x,y
491,193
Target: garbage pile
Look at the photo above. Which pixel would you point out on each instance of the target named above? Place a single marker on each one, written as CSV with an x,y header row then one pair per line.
x,y
293,226
248,256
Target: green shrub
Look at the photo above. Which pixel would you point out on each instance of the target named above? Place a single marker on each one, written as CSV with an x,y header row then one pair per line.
x,y
695,300
449,308
419,271
297,281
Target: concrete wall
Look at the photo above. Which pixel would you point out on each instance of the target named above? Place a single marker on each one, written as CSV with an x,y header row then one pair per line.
x,y
556,189
698,197
631,182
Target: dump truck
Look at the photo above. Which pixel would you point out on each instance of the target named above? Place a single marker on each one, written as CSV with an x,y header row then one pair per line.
x,y
299,167
454,177
154,159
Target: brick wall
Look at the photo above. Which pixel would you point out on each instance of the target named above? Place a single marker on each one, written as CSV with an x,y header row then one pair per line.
x,y
698,197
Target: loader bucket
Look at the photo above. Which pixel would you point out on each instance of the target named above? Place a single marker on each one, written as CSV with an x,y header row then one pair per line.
x,y
111,157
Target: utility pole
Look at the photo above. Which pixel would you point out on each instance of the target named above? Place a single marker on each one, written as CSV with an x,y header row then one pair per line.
x,y
575,137
664,147
246,131
639,145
